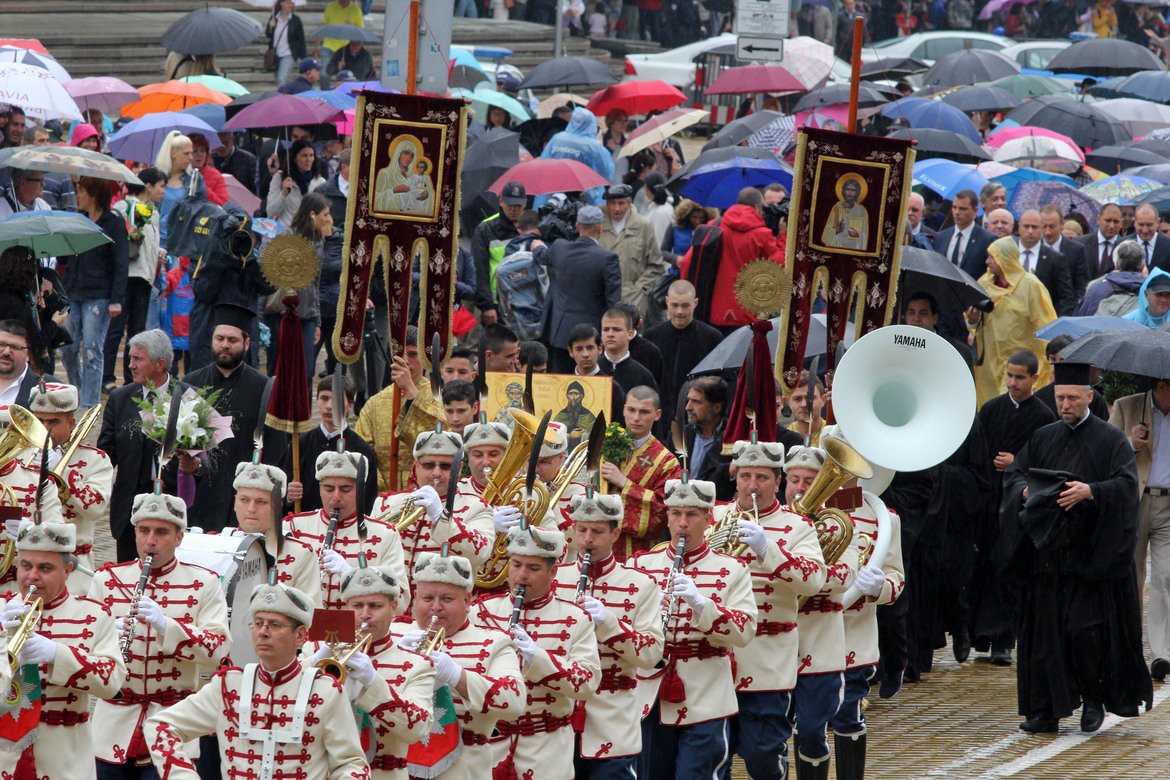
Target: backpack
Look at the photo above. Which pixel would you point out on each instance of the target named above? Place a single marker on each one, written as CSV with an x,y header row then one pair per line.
x,y
521,288
1117,304
706,250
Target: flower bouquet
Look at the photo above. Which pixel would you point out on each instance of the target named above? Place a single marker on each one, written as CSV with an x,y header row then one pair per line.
x,y
617,444
138,218
199,427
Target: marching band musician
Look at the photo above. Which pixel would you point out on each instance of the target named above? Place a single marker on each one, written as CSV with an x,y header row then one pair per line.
x,y
820,634
624,606
22,475
74,652
477,663
708,609
260,489
558,654
469,531
337,474
878,586
553,453
177,618
485,444
394,685
275,719
89,474
785,560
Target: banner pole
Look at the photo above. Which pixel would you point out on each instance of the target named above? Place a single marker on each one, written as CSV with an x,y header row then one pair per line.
x,y
855,76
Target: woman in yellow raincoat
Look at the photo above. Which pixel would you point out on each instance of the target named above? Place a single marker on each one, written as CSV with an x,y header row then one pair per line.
x,y
1022,306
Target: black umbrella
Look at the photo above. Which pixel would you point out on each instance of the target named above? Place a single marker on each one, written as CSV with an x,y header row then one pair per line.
x,y
982,98
1160,172
739,130
1154,145
1086,124
1144,85
1114,158
568,71
346,32
536,133
968,66
1105,57
211,31
893,68
1159,198
728,356
1143,352
466,77
924,271
486,160
940,143
834,94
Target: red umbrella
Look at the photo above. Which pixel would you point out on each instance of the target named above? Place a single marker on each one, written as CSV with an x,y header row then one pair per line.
x,y
32,44
635,97
755,78
541,177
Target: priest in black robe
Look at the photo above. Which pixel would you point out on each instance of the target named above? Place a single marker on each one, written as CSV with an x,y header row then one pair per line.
x,y
1070,523
1008,422
1047,394
240,388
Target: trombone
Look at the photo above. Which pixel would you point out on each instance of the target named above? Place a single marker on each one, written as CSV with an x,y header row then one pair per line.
x,y
28,626
334,663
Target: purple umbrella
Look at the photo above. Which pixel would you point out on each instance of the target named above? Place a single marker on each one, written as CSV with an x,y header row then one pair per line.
x,y
283,111
141,139
105,93
1037,194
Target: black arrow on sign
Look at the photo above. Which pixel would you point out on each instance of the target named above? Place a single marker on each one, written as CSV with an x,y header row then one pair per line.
x,y
753,48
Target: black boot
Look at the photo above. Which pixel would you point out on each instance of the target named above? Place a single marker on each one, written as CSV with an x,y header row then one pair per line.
x,y
807,770
849,750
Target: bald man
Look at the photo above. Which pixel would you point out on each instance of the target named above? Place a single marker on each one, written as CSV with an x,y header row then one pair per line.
x,y
682,340
1000,222
1047,264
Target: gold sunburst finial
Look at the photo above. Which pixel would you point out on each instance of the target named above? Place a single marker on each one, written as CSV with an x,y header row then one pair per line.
x,y
289,262
761,287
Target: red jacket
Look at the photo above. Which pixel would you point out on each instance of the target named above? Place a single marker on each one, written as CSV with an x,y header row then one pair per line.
x,y
216,187
745,238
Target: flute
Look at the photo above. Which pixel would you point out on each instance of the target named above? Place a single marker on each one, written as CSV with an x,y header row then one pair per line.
x,y
128,637
669,602
583,582
517,605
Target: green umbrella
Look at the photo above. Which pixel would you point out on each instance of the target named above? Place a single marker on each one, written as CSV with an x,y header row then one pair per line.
x,y
51,233
232,89
486,95
1026,86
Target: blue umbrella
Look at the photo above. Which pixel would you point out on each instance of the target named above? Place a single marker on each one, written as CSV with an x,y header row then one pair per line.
x,y
354,87
51,233
337,98
899,108
211,113
1017,177
947,177
1148,85
718,184
141,139
1079,326
939,116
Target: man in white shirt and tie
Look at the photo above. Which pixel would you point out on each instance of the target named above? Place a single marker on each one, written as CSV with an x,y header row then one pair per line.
x,y
965,243
1100,244
1155,248
1071,252
1044,263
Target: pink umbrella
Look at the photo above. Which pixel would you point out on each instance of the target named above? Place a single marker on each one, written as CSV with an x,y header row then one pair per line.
x,y
105,93
999,5
755,78
830,117
240,195
345,126
1000,137
541,177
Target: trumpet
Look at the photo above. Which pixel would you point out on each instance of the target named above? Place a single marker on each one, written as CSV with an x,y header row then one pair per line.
x,y
583,581
517,605
28,625
723,536
433,639
132,619
334,663
669,602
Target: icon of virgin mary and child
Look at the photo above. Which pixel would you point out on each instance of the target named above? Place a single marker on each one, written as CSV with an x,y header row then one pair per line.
x,y
405,186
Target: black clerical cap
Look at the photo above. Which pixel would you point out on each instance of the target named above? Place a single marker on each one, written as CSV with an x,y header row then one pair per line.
x,y
1066,373
235,315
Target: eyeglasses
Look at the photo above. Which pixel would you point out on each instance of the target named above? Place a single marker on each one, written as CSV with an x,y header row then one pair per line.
x,y
12,348
270,625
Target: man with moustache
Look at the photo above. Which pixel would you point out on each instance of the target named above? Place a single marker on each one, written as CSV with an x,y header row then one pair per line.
x,y
240,387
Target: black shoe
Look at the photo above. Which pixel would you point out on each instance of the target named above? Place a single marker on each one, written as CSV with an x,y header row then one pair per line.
x,y
911,675
1040,724
1159,669
1092,716
849,751
961,645
1001,657
890,686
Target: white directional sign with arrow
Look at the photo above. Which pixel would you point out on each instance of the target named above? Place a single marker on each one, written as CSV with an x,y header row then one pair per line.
x,y
761,26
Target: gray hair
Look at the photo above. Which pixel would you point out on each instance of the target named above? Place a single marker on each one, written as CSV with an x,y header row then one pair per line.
x,y
156,343
990,189
1129,256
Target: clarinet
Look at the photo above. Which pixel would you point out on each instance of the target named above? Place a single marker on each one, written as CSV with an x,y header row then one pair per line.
x,y
517,605
670,603
583,582
128,637
330,534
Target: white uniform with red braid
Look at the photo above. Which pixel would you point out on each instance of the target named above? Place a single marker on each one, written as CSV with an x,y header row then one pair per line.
x,y
382,547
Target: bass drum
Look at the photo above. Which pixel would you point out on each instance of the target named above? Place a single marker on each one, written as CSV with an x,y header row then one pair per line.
x,y
241,564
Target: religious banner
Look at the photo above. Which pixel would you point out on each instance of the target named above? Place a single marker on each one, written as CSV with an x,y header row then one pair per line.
x,y
845,240
575,401
403,207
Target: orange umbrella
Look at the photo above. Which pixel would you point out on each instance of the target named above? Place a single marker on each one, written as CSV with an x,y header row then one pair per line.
x,y
172,96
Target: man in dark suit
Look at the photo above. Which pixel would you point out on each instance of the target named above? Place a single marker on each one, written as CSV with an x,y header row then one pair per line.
x,y
1155,246
707,400
921,235
585,280
1045,263
133,454
617,328
17,377
1099,244
1070,252
965,243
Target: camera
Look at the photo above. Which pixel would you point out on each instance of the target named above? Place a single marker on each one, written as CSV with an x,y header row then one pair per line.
x,y
774,214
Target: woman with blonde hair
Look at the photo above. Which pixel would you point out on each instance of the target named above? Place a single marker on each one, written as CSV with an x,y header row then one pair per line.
x,y
174,160
1022,306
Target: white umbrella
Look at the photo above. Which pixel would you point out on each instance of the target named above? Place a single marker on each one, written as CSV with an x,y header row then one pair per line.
x,y
660,128
36,91
1138,116
1040,151
807,59
36,59
267,5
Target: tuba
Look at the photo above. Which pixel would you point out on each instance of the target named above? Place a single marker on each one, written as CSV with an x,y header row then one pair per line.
x,y
834,526
24,432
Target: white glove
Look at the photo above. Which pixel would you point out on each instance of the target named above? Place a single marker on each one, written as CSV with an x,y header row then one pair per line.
x,y
752,534
334,563
597,611
54,458
12,528
120,626
361,668
685,589
447,672
322,652
505,517
12,612
152,614
870,581
427,498
524,644
194,529
412,639
38,650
